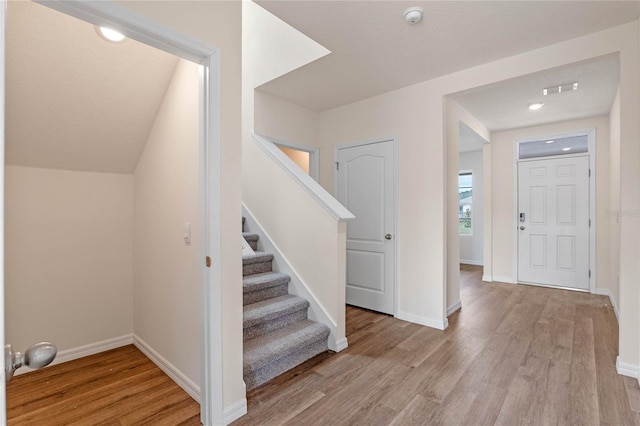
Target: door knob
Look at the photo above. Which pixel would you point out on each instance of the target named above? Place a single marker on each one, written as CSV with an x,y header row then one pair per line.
x,y
522,228
37,356
388,236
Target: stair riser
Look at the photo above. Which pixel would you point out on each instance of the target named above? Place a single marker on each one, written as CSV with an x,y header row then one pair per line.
x,y
254,379
265,293
274,324
253,244
256,268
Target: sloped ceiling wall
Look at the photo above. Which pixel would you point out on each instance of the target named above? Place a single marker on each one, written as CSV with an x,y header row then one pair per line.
x,y
75,101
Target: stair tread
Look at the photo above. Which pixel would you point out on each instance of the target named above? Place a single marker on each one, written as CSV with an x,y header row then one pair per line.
x,y
257,257
250,236
262,350
269,309
264,280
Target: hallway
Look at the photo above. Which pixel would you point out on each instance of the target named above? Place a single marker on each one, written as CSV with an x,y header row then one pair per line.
x,y
513,354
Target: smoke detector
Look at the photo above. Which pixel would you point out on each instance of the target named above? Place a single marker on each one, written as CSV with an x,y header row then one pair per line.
x,y
413,15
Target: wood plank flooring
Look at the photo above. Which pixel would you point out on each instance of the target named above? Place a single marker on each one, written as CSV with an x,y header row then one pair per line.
x,y
512,355
116,387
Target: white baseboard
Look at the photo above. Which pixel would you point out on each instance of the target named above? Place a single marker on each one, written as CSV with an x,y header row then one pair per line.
x,y
472,262
429,322
341,345
507,280
235,411
170,370
607,292
86,350
628,370
487,278
451,309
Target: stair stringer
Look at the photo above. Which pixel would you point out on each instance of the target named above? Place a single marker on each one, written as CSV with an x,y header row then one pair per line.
x,y
297,286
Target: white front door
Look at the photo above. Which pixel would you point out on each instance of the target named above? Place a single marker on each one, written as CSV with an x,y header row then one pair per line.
x,y
553,223
366,186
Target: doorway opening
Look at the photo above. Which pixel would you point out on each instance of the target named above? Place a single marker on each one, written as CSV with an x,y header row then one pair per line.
x,y
307,158
207,190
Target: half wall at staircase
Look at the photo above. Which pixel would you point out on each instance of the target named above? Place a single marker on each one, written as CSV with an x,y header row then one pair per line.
x,y
310,234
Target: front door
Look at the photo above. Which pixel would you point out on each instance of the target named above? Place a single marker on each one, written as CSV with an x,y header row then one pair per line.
x,y
553,222
366,186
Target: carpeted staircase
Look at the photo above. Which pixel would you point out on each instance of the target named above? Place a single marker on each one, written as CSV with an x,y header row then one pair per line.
x,y
277,334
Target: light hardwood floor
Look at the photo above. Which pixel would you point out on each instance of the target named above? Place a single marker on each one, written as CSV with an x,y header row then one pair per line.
x,y
512,355
116,387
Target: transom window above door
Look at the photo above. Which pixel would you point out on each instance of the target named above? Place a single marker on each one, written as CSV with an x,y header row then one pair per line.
x,y
552,147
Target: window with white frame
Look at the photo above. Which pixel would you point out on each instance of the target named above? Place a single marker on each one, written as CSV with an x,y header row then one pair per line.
x,y
465,203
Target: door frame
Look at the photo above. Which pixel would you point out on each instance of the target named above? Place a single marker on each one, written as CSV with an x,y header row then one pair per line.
x,y
393,141
591,139
144,30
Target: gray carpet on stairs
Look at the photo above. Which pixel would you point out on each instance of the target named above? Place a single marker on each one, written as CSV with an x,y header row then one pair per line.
x,y
277,334
263,286
252,239
256,263
269,315
272,354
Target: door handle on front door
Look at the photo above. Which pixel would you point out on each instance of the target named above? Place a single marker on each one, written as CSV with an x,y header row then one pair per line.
x,y
37,356
388,236
522,228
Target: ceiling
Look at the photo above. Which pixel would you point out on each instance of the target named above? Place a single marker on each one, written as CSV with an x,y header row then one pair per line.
x,y
504,105
468,140
374,51
73,100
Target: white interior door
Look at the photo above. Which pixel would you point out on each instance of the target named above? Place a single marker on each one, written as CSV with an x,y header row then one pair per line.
x,y
366,186
553,226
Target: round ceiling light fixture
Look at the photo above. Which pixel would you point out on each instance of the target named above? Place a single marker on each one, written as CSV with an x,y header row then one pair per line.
x,y
110,35
536,106
413,15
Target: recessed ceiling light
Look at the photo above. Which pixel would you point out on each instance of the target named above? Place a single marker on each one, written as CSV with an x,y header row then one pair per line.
x,y
566,149
536,106
110,34
549,141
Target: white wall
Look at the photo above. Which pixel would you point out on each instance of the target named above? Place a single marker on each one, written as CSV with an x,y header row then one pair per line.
x,y
471,245
629,345
487,212
69,257
420,235
278,119
613,211
166,291
312,240
455,117
271,47
638,328
415,116
502,146
219,23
